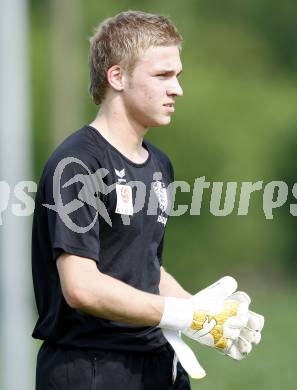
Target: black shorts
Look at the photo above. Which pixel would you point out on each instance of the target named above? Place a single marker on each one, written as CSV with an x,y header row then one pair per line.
x,y
67,368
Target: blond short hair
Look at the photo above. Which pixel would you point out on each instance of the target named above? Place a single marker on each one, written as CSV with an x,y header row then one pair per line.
x,y
120,40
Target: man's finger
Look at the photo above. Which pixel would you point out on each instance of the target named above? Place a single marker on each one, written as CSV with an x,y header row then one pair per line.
x,y
250,335
241,297
244,346
238,321
231,333
218,290
234,352
255,321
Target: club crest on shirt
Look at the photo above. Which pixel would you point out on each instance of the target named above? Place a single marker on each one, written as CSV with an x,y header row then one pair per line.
x,y
161,193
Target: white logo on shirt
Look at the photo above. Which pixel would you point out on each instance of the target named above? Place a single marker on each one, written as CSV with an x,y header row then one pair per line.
x,y
120,175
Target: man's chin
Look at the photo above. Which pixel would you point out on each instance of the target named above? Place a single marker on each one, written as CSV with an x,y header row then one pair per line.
x,y
162,122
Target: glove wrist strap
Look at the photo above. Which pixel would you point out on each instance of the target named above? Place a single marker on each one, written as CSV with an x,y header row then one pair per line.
x,y
178,314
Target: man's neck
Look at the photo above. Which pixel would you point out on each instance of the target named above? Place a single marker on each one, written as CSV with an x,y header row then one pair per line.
x,y
121,133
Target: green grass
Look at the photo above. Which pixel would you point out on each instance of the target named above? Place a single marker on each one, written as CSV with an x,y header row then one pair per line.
x,y
271,365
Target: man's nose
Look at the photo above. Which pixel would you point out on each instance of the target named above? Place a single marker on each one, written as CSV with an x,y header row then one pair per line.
x,y
175,89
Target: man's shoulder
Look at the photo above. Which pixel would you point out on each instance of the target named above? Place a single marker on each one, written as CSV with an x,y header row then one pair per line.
x,y
81,143
81,149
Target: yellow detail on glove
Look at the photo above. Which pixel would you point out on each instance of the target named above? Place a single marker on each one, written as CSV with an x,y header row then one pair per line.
x,y
201,319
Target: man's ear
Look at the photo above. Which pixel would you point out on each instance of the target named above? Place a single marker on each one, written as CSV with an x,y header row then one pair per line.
x,y
115,77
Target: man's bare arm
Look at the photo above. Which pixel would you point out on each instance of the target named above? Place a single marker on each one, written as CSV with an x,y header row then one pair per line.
x,y
87,289
170,287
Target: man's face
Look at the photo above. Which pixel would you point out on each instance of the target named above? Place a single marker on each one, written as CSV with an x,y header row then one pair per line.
x,y
150,91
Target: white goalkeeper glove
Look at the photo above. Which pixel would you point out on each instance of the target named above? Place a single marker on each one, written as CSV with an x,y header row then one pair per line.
x,y
224,321
218,317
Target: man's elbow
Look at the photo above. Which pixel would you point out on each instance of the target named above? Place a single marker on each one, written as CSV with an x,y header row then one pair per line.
x,y
79,281
74,298
82,298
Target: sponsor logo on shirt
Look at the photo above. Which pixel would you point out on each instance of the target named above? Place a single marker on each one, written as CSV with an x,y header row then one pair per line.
x,y
124,200
124,194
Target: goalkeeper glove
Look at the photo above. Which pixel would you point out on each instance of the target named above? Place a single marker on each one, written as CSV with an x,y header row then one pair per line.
x,y
218,317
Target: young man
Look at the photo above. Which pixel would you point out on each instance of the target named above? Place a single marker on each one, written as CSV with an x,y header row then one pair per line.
x,y
106,305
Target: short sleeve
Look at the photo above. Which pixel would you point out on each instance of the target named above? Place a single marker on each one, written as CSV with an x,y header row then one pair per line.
x,y
170,175
171,171
160,251
69,193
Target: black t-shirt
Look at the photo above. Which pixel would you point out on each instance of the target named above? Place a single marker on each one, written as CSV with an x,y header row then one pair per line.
x,y
94,202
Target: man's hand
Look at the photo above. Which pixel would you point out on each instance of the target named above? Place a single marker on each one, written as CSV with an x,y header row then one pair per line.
x,y
218,317
225,323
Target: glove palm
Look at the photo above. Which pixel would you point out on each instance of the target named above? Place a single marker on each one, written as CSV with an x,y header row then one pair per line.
x,y
223,321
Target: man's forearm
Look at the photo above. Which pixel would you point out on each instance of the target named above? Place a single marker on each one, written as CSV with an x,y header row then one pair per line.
x,y
170,287
87,289
117,301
